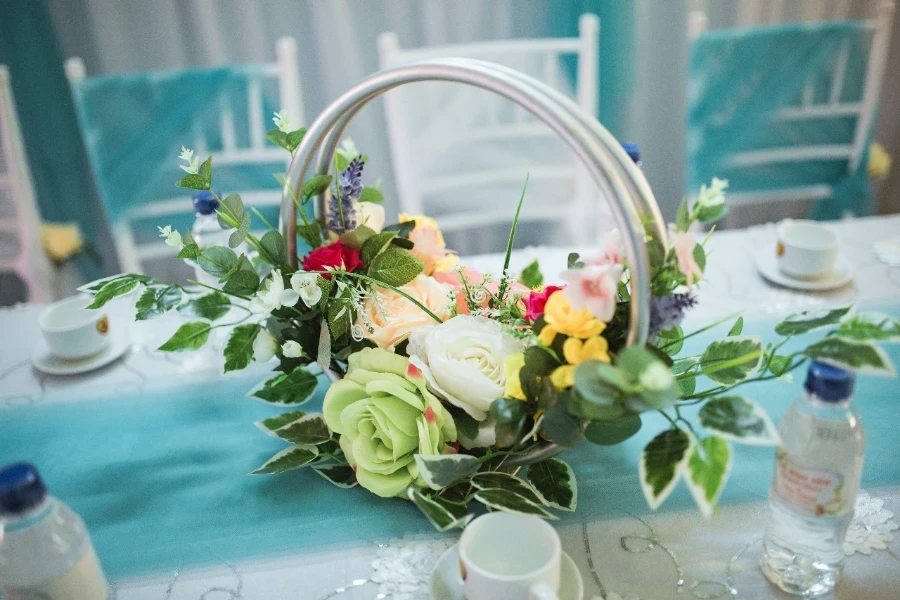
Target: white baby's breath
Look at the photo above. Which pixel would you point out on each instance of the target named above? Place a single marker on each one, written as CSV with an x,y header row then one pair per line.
x,y
282,121
193,163
173,238
714,195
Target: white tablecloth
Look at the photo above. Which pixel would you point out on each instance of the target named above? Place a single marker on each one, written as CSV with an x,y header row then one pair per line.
x,y
703,549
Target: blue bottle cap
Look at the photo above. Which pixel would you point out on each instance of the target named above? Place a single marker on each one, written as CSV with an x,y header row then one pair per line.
x,y
633,151
205,202
21,488
828,383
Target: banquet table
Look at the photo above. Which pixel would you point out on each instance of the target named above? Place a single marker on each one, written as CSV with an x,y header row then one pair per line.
x,y
168,525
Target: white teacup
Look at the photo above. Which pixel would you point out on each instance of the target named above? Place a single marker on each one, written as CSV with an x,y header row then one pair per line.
x,y
73,331
806,249
510,556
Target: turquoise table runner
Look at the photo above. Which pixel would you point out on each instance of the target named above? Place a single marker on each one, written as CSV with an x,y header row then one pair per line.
x,y
161,479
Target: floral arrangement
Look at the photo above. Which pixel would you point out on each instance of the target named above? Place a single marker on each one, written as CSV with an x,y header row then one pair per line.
x,y
445,380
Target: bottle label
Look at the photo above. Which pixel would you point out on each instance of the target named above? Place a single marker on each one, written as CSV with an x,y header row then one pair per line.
x,y
815,492
84,581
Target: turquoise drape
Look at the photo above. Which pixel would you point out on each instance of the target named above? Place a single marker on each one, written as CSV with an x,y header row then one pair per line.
x,y
738,82
56,156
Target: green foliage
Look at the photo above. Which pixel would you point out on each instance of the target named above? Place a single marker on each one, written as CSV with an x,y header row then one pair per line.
x,y
444,515
375,245
732,360
309,430
555,483
157,300
613,431
239,349
311,233
509,501
870,327
862,357
395,267
217,261
707,471
243,279
315,186
739,419
737,328
682,217
274,248
286,389
810,320
443,470
531,276
371,194
211,306
270,425
289,459
574,261
661,464
339,475
190,336
231,212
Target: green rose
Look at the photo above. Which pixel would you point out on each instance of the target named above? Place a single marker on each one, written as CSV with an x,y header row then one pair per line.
x,y
385,416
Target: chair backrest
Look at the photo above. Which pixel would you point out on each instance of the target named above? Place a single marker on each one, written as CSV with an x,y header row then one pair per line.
x,y
462,154
24,268
784,112
134,126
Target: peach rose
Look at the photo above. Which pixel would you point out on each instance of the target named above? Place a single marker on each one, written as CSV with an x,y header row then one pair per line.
x,y
393,317
429,244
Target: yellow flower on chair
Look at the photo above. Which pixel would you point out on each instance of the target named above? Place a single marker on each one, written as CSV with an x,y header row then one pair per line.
x,y
575,352
562,318
61,241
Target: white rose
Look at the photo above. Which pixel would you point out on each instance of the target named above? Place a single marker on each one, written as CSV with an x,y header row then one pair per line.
x,y
264,346
462,361
291,349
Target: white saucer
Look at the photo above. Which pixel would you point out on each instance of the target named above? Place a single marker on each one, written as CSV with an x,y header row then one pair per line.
x,y
47,363
447,584
767,264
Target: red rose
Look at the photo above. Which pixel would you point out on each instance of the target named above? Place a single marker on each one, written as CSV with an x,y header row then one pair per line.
x,y
535,301
335,255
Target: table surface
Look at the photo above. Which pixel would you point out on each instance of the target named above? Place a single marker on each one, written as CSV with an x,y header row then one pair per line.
x,y
707,553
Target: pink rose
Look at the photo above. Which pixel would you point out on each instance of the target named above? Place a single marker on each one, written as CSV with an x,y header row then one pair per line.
x,y
595,288
684,242
535,302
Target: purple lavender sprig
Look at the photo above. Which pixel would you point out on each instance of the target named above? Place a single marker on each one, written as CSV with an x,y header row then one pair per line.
x,y
668,311
341,213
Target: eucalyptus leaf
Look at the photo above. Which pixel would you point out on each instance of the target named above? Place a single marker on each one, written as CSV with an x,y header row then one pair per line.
x,y
273,244
554,481
662,462
289,459
156,301
239,349
189,251
217,261
206,171
190,336
613,431
506,410
293,139
231,211
278,137
238,236
739,419
443,470
315,186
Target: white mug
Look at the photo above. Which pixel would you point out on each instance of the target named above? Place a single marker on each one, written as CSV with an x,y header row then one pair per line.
x,y
510,556
806,249
73,331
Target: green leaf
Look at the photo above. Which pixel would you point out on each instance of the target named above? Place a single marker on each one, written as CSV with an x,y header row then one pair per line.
x,y
309,430
870,327
442,514
613,431
268,426
217,261
466,425
190,336
707,471
395,267
494,480
373,246
239,349
573,261
294,138
288,459
286,389
732,360
507,410
115,288
278,137
311,233
95,286
662,462
341,476
737,328
193,181
671,341
231,211
711,214
443,470
779,365
371,194
356,238
509,501
739,419
700,256
559,425
401,229
243,282
238,236
275,250
157,300
682,218
315,186
206,171
531,276
211,306
341,162
656,252
189,251
810,320
554,481
340,318
861,357
687,386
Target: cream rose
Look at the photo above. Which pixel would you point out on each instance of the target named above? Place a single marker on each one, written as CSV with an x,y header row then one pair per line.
x,y
463,361
392,317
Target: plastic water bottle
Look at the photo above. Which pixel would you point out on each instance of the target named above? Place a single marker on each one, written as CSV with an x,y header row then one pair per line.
x,y
46,551
817,473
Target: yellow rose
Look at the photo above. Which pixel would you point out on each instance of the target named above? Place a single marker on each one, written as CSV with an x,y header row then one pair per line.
x,y
562,318
429,245
61,241
576,352
879,162
393,317
511,367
